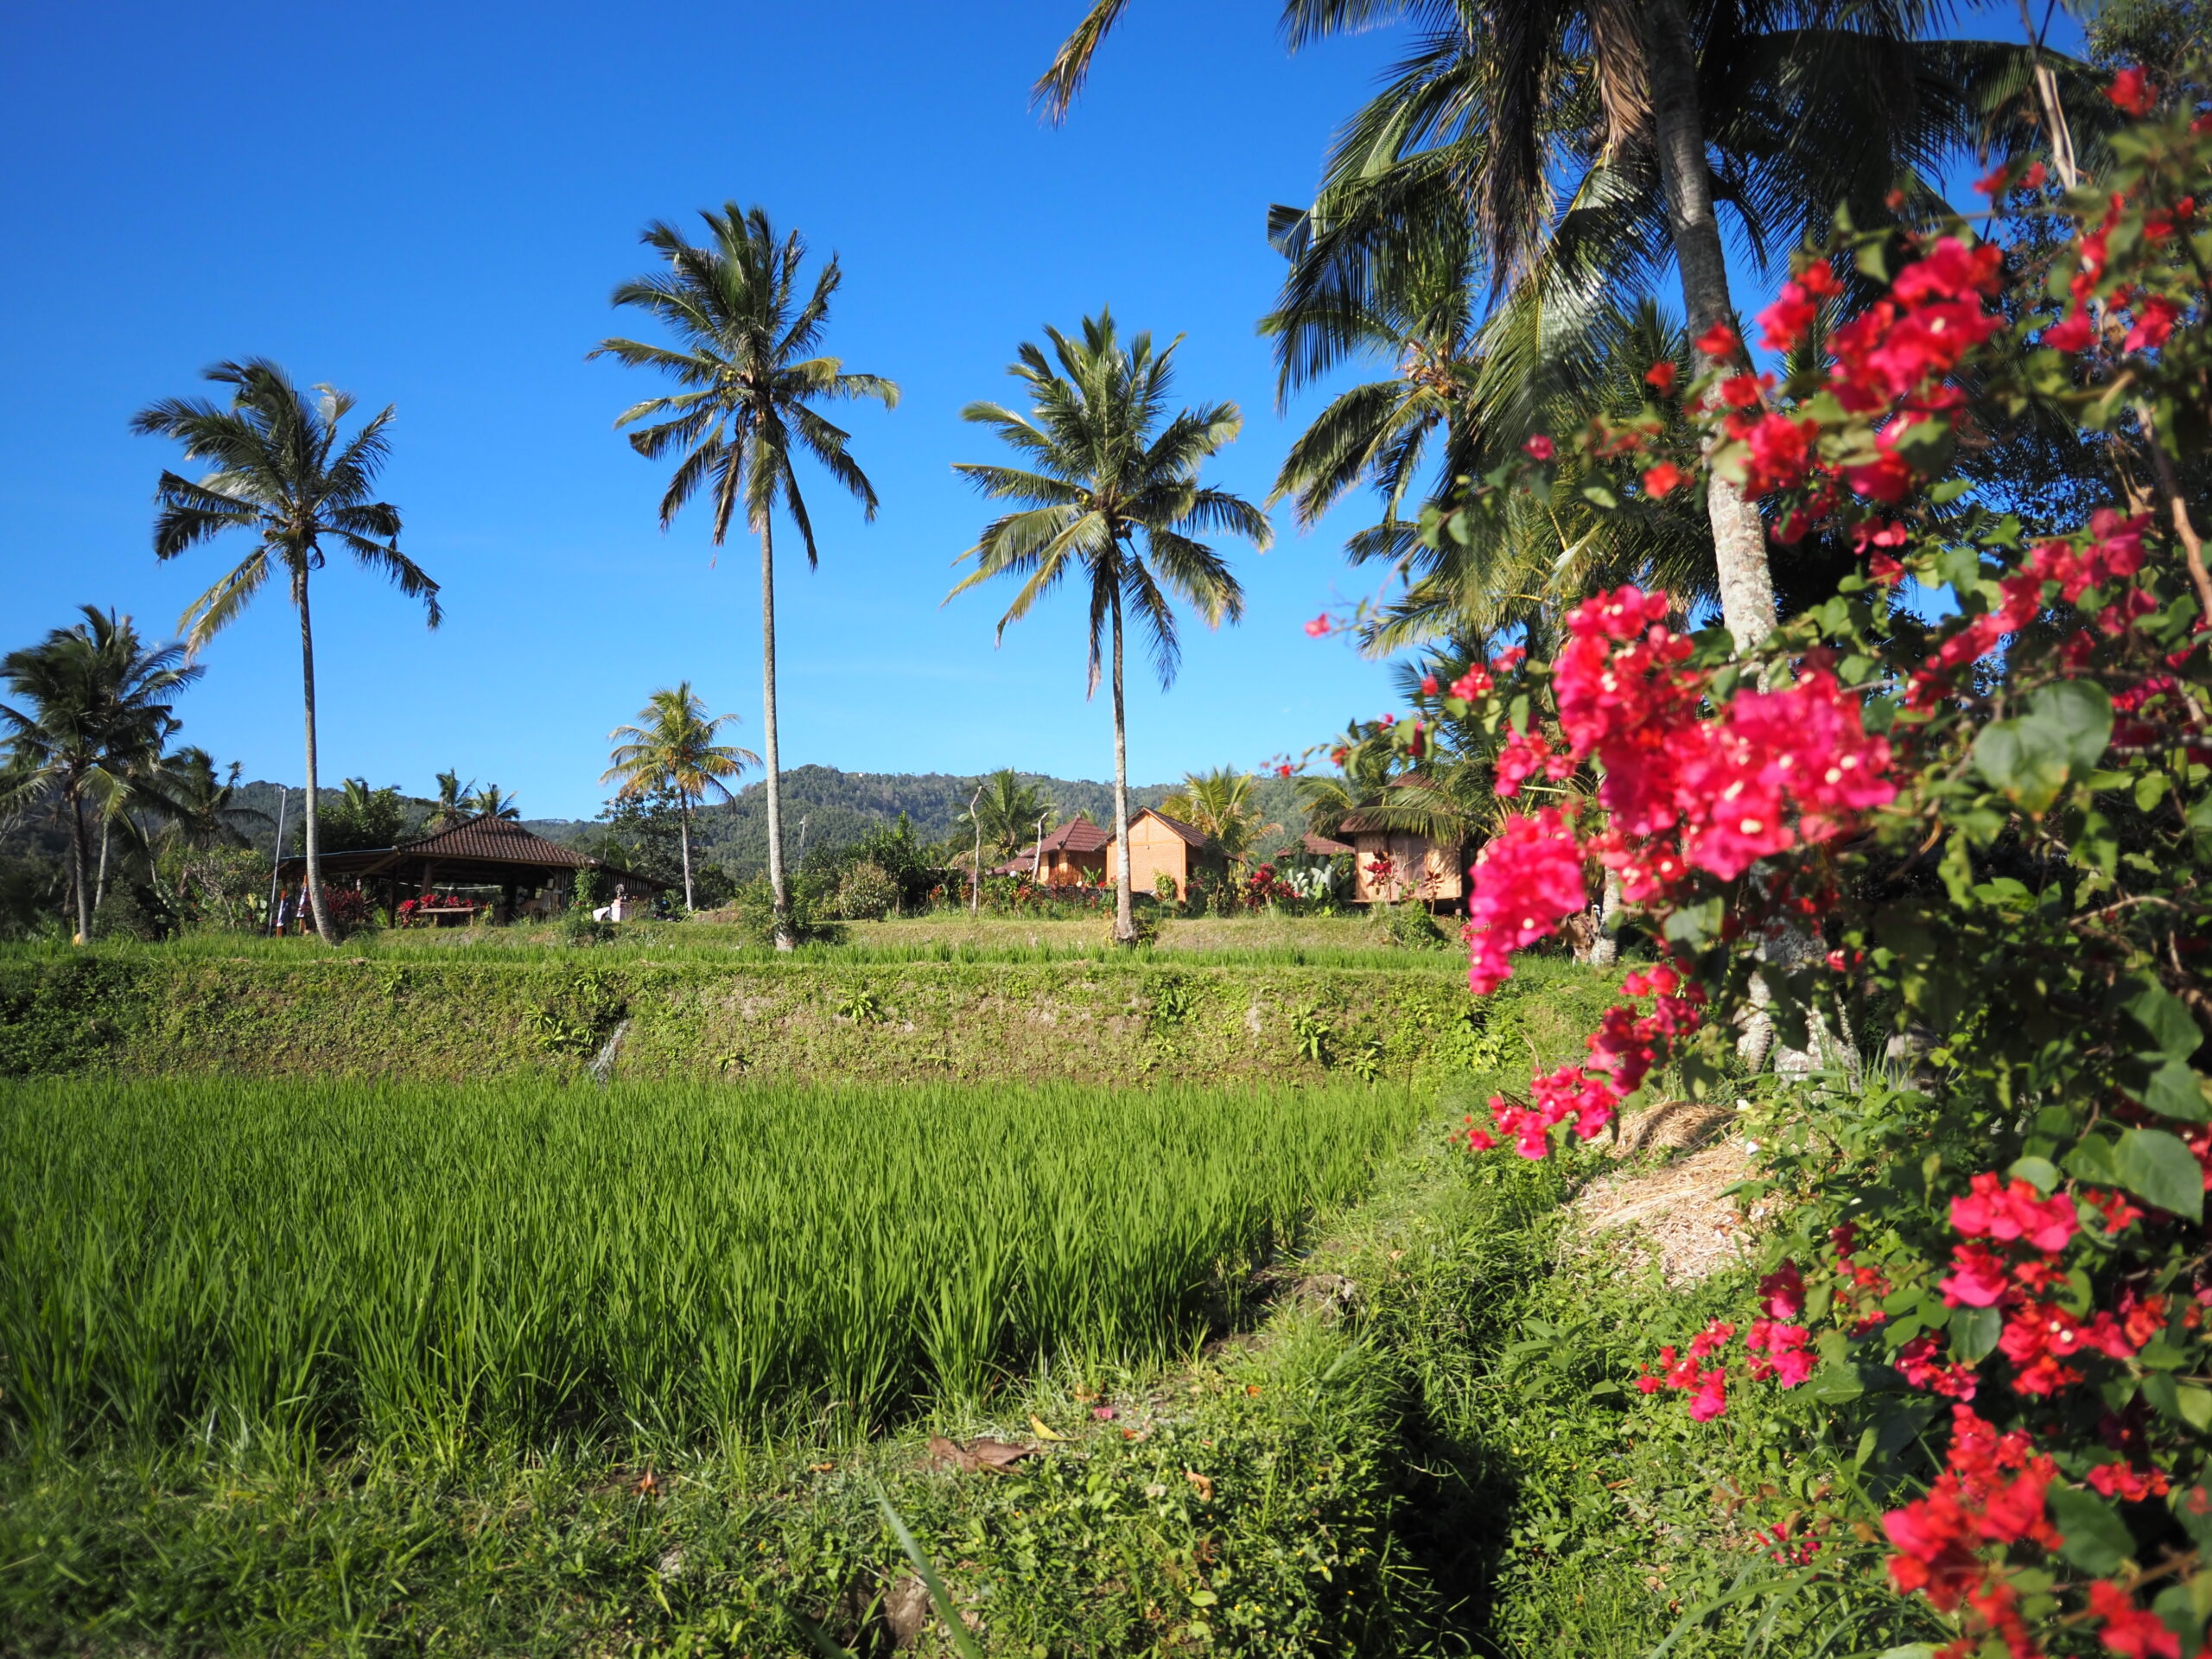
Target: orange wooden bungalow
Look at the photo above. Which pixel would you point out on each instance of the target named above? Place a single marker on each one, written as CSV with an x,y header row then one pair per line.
x,y
1159,845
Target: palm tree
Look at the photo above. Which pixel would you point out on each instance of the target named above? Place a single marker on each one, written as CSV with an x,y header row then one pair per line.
x,y
742,348
278,468
1007,810
201,807
1106,464
1222,805
1590,141
96,705
451,806
671,752
491,802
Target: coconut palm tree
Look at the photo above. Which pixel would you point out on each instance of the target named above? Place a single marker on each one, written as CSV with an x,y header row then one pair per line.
x,y
280,467
1105,465
452,805
491,802
1007,810
1222,805
743,343
200,807
671,752
93,706
1592,142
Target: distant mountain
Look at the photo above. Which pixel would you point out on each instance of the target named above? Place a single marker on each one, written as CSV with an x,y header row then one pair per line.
x,y
826,808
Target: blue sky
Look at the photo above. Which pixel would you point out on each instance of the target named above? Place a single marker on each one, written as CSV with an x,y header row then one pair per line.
x,y
427,206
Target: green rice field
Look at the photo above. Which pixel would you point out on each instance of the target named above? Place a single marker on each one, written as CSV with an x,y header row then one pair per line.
x,y
227,1263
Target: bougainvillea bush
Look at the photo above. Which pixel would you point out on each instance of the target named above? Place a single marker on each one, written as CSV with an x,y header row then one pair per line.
x,y
1947,838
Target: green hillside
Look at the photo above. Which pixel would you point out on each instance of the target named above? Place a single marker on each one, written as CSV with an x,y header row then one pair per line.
x,y
834,809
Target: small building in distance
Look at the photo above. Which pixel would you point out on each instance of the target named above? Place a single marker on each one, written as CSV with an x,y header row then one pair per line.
x,y
1073,856
1392,866
483,855
1159,845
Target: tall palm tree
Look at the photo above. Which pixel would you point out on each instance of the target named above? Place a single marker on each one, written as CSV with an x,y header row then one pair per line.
x,y
672,750
281,468
1222,805
1105,465
93,703
1007,810
1593,141
743,343
451,806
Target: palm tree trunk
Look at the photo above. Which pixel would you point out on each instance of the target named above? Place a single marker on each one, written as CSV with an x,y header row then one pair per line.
x,y
1125,921
684,830
99,882
1738,536
79,877
329,934
784,939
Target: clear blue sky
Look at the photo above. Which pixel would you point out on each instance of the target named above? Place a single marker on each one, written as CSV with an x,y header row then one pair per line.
x,y
427,206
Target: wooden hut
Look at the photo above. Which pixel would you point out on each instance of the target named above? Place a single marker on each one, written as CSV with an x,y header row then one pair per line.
x,y
1392,866
1159,845
1073,856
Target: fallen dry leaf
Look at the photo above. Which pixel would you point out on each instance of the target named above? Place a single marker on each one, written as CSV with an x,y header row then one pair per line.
x,y
978,1456
822,1468
1203,1483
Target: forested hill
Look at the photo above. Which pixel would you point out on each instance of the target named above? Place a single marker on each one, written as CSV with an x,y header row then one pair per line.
x,y
837,808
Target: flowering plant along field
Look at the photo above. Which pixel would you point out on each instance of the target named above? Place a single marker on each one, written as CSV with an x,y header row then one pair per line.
x,y
1950,842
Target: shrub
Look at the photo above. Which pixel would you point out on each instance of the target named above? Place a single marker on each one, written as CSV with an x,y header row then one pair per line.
x,y
867,893
1410,927
1991,833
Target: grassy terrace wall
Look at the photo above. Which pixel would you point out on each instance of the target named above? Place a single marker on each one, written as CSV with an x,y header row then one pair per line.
x,y
144,1013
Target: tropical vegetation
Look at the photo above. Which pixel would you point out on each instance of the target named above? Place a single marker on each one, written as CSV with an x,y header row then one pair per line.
x,y
745,350
280,468
1104,466
671,753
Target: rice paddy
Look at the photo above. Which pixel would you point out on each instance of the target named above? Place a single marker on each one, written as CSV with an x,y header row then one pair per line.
x,y
334,1264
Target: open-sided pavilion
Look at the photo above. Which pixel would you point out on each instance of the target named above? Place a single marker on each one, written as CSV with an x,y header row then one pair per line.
x,y
481,852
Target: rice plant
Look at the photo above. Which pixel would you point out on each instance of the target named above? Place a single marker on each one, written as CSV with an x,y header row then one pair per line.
x,y
335,1262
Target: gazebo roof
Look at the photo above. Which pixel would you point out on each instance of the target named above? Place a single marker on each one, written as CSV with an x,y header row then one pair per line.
x,y
493,845
1321,846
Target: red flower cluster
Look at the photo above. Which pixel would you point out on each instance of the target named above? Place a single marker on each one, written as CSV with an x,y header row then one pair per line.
x,y
1683,791
1524,755
1528,879
1623,1051
1707,1386
1990,1493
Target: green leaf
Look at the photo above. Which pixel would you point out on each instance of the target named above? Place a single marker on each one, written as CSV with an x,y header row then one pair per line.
x,y
2192,1507
2093,1161
1599,496
2173,1091
2064,734
2159,1169
2097,1540
2040,1172
2166,1017
1974,1332
2149,790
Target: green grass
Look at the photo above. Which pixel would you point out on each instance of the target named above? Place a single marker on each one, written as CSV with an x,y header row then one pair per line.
x,y
324,1262
1237,941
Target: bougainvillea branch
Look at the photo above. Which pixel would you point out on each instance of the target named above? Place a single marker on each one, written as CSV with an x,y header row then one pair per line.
x,y
1976,832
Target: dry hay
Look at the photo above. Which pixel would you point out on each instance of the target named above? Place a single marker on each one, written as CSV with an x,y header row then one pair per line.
x,y
1676,1209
